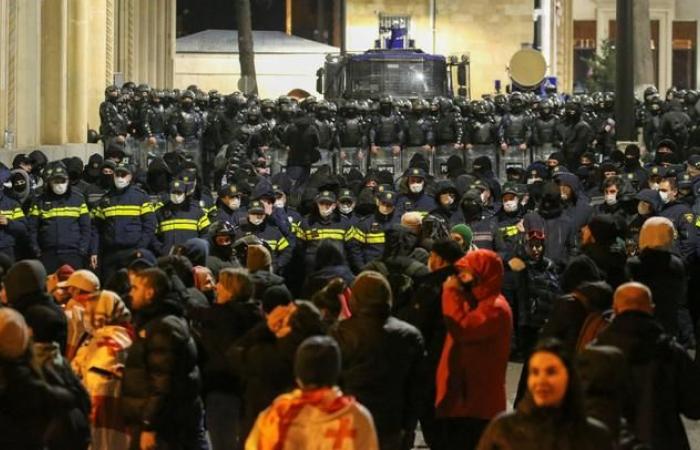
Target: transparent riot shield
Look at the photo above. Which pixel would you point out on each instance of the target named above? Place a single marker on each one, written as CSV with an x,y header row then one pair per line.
x,y
440,157
132,150
512,157
478,151
327,159
542,152
191,150
408,153
278,159
384,159
149,152
352,158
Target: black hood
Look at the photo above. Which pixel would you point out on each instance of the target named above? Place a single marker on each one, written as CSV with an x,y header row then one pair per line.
x,y
550,205
400,241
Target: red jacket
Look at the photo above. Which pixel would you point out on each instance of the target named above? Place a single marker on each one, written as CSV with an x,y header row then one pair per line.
x,y
471,376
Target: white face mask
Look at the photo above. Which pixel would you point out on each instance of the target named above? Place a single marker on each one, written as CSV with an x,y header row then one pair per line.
x,y
280,203
122,182
234,203
177,198
255,220
664,197
610,199
345,209
533,180
510,206
326,211
59,188
416,188
385,210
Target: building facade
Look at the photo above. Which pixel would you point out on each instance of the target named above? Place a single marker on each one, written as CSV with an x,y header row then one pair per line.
x,y
57,57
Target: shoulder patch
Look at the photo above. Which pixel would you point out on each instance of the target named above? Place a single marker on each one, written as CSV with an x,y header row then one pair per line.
x,y
689,217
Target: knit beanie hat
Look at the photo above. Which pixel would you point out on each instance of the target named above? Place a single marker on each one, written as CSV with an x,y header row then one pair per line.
x,y
412,220
657,234
258,258
24,278
14,334
464,231
370,292
604,229
275,296
317,362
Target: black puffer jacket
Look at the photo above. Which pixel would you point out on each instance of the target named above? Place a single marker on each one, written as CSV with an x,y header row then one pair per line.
x,y
382,359
161,384
218,326
532,428
664,380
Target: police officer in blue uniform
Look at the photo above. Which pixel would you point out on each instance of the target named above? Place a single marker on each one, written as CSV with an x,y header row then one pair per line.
x,y
180,218
416,199
13,223
124,221
59,222
369,232
264,228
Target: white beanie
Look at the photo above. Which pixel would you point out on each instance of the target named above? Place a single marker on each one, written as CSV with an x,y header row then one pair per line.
x,y
14,334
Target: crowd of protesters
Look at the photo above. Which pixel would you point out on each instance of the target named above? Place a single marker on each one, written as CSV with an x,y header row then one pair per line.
x,y
235,273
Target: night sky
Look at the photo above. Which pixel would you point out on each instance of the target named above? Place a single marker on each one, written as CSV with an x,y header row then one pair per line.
x,y
199,15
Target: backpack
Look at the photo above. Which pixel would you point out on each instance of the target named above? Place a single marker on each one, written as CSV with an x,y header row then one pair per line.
x,y
594,324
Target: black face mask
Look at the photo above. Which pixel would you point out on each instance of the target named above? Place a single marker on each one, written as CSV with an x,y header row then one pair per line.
x,y
106,181
471,212
631,163
535,189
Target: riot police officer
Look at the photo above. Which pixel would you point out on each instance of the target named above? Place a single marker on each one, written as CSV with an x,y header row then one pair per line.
x,y
113,124
186,128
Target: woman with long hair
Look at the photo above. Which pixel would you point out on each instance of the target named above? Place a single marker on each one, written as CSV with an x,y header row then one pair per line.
x,y
551,415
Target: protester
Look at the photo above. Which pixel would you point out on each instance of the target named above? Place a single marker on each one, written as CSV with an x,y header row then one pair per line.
x,y
552,415
317,414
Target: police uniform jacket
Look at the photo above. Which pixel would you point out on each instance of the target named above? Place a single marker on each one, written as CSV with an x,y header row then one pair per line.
x,y
178,223
125,219
60,223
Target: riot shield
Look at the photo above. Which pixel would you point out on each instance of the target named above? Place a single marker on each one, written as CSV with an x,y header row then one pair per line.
x,y
352,158
152,152
477,151
384,159
327,159
409,152
278,159
512,157
191,150
542,152
132,151
441,155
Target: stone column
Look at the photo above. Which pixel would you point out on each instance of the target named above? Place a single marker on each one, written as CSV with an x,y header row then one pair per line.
x,y
98,77
54,64
161,59
643,65
4,25
152,41
78,70
170,33
141,41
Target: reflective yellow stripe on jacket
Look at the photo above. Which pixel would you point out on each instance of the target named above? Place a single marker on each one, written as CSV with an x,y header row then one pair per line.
x,y
12,214
177,224
63,211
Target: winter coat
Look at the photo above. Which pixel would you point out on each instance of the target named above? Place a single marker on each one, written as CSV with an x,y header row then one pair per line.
x,y
478,332
27,405
218,326
664,274
319,279
263,280
663,378
303,140
532,428
124,220
610,260
59,223
538,288
161,383
46,319
683,221
16,228
382,358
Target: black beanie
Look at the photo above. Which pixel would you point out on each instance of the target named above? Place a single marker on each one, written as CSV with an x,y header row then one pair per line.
x,y
24,278
599,294
317,362
604,229
275,296
632,151
580,269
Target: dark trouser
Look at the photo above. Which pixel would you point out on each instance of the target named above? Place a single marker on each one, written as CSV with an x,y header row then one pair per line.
x,y
393,441
53,260
459,433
